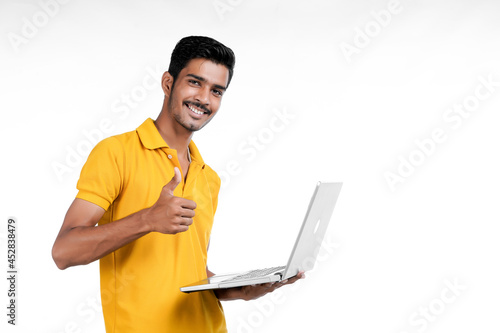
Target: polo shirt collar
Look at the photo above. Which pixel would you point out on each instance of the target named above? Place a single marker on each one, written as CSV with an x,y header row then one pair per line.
x,y
152,139
195,153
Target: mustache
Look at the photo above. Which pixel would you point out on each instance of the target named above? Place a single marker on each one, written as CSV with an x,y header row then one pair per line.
x,y
200,106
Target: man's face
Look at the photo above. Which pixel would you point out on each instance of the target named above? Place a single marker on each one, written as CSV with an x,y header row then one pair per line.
x,y
197,93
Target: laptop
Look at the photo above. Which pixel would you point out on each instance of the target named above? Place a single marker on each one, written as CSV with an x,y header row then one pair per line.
x,y
303,254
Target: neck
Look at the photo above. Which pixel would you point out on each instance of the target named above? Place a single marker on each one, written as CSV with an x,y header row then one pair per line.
x,y
174,134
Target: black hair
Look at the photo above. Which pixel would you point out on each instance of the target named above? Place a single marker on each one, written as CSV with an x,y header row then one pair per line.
x,y
193,47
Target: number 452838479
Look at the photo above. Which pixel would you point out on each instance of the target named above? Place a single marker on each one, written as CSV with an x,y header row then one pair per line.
x,y
11,244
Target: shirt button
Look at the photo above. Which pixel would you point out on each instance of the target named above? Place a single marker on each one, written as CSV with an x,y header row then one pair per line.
x,y
169,156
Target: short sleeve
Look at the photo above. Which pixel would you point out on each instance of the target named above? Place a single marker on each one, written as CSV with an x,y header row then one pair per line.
x,y
101,178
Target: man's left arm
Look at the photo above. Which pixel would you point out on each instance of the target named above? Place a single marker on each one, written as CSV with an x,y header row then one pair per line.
x,y
252,292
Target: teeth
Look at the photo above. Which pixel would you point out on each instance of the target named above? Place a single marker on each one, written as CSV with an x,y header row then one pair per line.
x,y
194,110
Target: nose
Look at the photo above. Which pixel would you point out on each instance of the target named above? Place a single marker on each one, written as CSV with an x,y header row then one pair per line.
x,y
203,95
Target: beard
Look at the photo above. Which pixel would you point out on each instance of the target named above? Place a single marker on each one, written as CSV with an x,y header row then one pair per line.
x,y
178,117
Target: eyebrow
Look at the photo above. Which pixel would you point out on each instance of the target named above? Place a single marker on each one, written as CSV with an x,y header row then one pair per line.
x,y
202,79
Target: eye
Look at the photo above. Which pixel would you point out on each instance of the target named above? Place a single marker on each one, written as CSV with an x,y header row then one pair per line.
x,y
217,92
194,82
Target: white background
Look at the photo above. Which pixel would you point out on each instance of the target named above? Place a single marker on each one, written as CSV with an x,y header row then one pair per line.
x,y
351,117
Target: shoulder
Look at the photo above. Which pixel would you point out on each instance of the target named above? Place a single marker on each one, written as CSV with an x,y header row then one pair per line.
x,y
116,144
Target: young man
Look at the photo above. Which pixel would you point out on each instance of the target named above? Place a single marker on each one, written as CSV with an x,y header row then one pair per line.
x,y
152,238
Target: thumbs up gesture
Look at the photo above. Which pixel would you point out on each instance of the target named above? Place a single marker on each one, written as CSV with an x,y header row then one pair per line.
x,y
170,214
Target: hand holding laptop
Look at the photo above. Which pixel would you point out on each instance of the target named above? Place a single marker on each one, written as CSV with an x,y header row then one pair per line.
x,y
254,291
302,257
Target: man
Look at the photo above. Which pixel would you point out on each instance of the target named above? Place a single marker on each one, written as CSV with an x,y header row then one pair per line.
x,y
152,238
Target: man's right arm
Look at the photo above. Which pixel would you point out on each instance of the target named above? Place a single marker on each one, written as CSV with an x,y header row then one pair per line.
x,y
80,241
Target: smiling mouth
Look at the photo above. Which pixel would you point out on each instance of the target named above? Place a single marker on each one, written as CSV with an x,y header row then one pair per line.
x,y
196,110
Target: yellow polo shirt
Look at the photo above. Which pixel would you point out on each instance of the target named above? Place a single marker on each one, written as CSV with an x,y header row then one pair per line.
x,y
140,282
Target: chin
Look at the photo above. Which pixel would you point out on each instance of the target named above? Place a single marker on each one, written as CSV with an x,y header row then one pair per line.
x,y
192,127
195,126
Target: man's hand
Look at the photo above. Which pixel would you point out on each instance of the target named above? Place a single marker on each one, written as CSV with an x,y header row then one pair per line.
x,y
252,292
170,214
256,291
81,242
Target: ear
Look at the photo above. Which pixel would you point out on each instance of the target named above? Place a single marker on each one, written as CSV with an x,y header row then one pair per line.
x,y
167,81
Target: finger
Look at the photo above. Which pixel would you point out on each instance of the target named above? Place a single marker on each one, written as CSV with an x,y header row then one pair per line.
x,y
292,280
299,275
186,203
182,228
186,213
185,221
176,179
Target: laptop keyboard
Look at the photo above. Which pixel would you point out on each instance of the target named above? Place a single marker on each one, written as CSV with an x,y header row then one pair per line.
x,y
257,273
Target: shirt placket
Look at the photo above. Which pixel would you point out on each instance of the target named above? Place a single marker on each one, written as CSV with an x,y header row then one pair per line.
x,y
172,157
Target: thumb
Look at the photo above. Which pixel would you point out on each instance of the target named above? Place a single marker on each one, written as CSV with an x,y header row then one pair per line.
x,y
176,179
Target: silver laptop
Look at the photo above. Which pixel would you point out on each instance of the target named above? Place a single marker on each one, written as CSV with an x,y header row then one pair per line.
x,y
304,252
